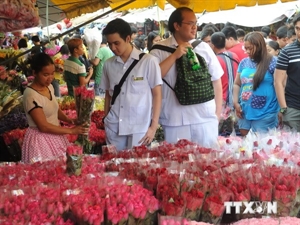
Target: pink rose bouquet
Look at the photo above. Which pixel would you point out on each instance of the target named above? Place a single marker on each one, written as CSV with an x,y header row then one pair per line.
x,y
84,100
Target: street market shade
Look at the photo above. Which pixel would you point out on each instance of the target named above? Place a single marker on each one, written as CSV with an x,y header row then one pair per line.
x,y
197,5
73,8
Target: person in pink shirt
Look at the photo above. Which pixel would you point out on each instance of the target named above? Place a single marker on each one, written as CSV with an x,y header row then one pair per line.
x,y
232,44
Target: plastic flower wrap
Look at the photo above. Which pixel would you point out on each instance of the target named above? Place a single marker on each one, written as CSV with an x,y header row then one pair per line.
x,y
194,200
8,99
74,160
285,192
213,209
84,101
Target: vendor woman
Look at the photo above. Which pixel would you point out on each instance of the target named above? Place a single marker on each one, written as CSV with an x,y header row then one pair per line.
x,y
44,139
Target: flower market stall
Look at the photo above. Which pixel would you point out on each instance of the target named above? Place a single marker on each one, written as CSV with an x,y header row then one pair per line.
x,y
180,183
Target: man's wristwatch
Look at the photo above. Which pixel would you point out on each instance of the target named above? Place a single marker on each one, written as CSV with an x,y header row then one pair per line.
x,y
283,110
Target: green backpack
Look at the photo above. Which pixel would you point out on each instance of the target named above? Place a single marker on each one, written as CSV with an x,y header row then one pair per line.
x,y
192,86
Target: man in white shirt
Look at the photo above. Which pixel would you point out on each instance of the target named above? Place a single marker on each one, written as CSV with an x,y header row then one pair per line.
x,y
133,118
198,122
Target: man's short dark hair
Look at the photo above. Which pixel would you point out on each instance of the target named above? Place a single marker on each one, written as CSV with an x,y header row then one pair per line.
x,y
118,26
266,30
229,32
282,32
176,17
218,39
35,38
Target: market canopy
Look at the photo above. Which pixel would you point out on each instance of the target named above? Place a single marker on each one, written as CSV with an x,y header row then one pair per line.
x,y
256,16
73,8
21,14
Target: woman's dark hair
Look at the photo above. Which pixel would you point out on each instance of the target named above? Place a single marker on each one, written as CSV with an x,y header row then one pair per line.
x,y
39,61
64,50
150,39
139,42
118,26
274,45
22,43
266,30
206,32
260,56
133,30
240,33
176,17
212,26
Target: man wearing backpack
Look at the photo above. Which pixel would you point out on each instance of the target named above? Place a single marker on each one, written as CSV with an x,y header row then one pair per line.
x,y
229,62
195,122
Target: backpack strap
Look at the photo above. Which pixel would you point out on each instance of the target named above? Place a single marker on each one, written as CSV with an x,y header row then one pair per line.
x,y
167,49
222,53
196,43
164,48
230,72
172,50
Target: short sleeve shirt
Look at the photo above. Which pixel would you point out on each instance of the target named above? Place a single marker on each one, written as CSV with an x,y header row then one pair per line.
x,y
33,99
174,114
73,69
103,54
256,104
131,112
289,60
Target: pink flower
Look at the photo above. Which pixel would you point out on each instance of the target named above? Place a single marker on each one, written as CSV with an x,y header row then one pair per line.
x,y
74,150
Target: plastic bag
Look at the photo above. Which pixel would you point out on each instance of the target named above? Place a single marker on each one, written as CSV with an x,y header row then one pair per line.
x,y
93,38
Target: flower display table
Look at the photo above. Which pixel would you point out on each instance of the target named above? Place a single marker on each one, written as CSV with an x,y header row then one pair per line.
x,y
174,181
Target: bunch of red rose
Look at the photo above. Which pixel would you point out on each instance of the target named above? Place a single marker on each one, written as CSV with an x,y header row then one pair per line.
x,y
97,117
14,135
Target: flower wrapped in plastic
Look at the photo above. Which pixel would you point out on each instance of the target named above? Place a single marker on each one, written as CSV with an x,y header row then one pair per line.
x,y
285,195
84,100
173,206
213,209
194,200
74,160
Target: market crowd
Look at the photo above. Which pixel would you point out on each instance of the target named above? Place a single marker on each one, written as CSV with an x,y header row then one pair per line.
x,y
253,83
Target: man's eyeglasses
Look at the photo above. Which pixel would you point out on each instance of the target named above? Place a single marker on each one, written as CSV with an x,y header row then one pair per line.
x,y
191,24
297,28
